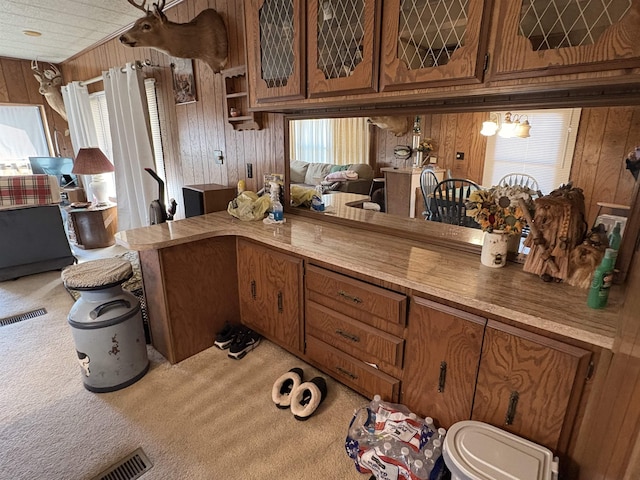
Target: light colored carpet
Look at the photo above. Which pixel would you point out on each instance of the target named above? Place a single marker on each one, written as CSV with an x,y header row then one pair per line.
x,y
208,417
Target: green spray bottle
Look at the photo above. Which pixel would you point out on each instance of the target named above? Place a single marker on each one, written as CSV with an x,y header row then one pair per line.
x,y
602,279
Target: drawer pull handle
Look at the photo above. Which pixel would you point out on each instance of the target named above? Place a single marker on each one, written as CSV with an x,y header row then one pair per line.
x,y
443,376
511,411
353,298
253,289
346,373
280,302
348,336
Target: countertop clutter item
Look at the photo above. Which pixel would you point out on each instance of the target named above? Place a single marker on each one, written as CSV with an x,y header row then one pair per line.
x,y
558,227
106,323
602,280
207,198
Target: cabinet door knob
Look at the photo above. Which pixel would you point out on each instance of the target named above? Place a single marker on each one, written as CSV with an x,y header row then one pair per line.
x,y
443,376
353,298
348,336
511,411
253,289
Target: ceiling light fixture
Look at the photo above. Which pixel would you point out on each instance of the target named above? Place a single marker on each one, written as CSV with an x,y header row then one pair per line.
x,y
31,33
513,125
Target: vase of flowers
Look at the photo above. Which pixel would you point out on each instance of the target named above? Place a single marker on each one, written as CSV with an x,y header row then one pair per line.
x,y
499,212
425,147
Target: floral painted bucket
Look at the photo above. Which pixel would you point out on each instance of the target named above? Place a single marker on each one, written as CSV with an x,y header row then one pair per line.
x,y
494,249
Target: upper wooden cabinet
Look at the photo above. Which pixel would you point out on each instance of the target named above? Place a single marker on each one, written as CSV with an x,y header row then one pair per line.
x,y
551,37
343,46
275,32
433,42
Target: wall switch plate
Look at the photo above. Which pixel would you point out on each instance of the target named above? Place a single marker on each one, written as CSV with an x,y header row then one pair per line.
x,y
249,170
433,159
459,155
218,158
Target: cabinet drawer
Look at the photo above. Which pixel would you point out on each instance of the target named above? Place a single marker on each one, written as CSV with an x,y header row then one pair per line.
x,y
352,372
356,338
355,298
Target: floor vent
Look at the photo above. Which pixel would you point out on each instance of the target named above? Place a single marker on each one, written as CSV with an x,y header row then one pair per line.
x,y
131,467
22,316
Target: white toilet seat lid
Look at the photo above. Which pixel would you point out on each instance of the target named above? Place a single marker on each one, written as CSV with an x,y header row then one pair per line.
x,y
479,451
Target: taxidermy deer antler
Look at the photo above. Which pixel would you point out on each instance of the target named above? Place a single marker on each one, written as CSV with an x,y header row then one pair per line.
x,y
50,81
204,37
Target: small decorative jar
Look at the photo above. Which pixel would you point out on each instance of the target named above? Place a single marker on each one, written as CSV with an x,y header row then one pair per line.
x,y
234,112
494,249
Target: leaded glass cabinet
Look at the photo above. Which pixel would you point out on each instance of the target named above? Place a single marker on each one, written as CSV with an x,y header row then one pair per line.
x,y
433,42
553,37
343,46
275,32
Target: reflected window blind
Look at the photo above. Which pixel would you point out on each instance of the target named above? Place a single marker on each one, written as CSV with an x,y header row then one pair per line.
x,y
546,155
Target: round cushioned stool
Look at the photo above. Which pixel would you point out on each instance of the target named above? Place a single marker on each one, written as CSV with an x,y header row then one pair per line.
x,y
106,323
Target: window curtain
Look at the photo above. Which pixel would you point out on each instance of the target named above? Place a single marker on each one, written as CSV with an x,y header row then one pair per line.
x,y
81,126
341,141
131,141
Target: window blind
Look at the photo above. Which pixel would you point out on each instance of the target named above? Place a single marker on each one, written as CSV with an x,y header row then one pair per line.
x,y
546,155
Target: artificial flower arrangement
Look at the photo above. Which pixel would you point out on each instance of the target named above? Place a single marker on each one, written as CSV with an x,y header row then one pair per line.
x,y
499,208
426,145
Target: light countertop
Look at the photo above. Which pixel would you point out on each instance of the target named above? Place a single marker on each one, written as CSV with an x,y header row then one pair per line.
x,y
432,270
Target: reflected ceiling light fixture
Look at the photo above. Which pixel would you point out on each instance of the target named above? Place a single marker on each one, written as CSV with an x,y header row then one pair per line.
x,y
513,126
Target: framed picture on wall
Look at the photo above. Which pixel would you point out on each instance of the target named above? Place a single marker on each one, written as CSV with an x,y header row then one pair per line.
x,y
184,85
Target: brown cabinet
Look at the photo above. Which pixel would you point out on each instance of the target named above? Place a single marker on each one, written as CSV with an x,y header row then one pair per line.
x,y
269,284
460,366
94,227
541,38
206,198
429,43
353,330
275,39
529,385
443,353
343,43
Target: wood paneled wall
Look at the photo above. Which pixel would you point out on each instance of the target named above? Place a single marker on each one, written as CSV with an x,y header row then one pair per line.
x,y
18,85
191,132
605,136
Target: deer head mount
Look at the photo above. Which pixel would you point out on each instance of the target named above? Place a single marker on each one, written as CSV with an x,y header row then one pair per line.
x,y
50,81
204,37
399,126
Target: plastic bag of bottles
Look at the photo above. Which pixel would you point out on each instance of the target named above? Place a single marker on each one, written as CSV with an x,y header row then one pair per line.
x,y
390,442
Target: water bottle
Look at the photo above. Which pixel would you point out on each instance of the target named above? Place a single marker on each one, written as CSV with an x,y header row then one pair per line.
x,y
405,457
373,410
441,434
419,470
429,461
437,448
277,211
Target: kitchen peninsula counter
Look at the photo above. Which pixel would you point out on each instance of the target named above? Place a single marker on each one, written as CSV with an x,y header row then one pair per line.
x,y
431,270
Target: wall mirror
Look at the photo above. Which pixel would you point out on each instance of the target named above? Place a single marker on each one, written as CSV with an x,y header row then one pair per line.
x,y
586,145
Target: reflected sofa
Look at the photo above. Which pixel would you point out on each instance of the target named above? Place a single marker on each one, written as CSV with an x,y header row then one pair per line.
x,y
311,174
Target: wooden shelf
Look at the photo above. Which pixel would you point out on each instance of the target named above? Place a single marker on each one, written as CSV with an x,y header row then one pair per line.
x,y
237,97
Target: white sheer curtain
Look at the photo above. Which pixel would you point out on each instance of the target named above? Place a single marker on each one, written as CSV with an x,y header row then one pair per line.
x,y
132,151
81,126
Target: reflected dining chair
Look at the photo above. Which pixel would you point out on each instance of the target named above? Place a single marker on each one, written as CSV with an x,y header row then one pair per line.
x,y
428,182
450,196
522,179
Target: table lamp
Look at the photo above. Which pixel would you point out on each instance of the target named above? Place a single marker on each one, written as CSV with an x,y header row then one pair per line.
x,y
91,161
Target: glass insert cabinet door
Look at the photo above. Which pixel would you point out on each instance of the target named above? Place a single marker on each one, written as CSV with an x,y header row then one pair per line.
x,y
433,42
546,37
275,40
343,46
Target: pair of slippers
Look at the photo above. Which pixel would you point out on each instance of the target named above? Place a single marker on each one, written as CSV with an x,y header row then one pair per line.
x,y
290,391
